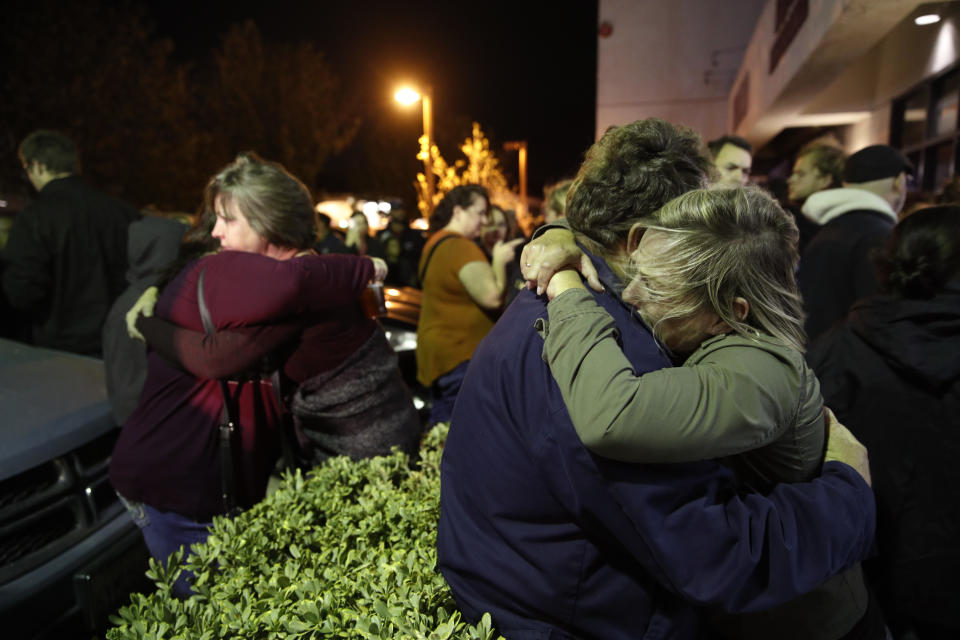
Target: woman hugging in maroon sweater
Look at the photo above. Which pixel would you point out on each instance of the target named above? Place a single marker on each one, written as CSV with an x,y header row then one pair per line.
x,y
267,295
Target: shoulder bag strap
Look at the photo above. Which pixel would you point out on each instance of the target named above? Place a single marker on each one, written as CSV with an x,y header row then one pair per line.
x,y
289,445
228,421
426,263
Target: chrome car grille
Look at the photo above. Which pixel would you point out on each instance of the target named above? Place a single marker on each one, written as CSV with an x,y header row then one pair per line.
x,y
46,509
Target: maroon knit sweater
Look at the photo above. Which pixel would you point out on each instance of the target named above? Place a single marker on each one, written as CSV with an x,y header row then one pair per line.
x,y
168,453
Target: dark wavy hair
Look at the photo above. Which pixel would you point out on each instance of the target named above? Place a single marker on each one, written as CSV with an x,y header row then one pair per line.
x,y
631,172
716,145
462,197
923,253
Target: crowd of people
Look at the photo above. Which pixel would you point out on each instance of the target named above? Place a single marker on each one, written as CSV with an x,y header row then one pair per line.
x,y
656,405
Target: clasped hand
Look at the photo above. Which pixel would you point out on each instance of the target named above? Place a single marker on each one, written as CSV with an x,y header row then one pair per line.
x,y
552,252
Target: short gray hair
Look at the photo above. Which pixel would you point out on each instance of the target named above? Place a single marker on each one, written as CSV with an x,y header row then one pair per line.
x,y
729,243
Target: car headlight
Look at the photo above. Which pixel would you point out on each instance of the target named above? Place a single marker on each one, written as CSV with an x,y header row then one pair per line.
x,y
402,339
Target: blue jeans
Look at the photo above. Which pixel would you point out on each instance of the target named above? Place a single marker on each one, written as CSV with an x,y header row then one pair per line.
x,y
444,392
165,532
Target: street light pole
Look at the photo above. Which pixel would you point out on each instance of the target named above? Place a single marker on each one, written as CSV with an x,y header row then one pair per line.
x,y
521,147
408,96
427,100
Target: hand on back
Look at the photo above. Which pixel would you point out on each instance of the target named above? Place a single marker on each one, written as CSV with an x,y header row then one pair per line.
x,y
552,252
145,305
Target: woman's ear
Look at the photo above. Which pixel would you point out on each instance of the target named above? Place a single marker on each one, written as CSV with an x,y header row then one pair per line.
x,y
741,309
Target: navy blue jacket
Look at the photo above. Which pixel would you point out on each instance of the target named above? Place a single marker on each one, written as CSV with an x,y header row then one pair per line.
x,y
556,542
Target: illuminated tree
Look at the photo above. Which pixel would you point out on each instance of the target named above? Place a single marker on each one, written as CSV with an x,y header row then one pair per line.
x,y
480,167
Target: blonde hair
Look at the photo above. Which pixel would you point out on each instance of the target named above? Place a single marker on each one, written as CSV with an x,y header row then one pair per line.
x,y
723,244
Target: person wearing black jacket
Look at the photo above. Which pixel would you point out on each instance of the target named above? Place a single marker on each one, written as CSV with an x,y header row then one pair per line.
x,y
891,374
835,268
66,257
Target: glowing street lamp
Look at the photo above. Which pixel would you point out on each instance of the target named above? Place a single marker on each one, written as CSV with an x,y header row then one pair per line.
x,y
408,96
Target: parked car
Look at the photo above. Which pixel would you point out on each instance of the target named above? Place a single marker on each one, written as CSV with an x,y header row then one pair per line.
x,y
69,553
399,315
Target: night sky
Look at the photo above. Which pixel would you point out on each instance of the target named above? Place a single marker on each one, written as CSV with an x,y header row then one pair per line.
x,y
523,70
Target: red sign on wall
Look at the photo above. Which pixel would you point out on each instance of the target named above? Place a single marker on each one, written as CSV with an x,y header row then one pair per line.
x,y
741,101
790,16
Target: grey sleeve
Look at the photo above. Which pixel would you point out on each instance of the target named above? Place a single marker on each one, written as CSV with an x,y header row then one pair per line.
x,y
734,399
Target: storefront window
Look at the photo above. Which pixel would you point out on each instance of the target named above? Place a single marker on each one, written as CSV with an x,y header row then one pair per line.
x,y
926,127
915,119
941,160
945,108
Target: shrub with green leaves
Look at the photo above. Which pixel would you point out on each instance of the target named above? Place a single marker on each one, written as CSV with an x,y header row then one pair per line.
x,y
346,552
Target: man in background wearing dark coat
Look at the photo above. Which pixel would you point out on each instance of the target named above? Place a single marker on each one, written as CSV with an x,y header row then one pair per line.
x,y
66,257
835,268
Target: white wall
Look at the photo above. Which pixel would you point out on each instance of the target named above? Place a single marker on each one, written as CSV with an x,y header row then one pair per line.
x,y
874,129
836,36
908,55
672,59
913,53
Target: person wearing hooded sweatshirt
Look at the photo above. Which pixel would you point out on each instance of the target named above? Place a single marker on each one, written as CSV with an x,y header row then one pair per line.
x,y
891,373
835,269
152,245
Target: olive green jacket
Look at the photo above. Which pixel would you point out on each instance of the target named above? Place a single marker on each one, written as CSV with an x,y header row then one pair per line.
x,y
750,396
752,401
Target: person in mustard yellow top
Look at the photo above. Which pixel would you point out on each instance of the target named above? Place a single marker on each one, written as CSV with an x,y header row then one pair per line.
x,y
462,293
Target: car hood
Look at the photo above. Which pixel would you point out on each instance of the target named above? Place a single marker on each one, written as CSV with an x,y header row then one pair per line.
x,y
51,402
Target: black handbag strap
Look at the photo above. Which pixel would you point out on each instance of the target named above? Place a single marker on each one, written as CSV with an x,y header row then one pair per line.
x,y
228,421
426,262
289,447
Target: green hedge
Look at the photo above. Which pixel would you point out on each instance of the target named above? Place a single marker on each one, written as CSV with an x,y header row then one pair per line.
x,y
346,552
